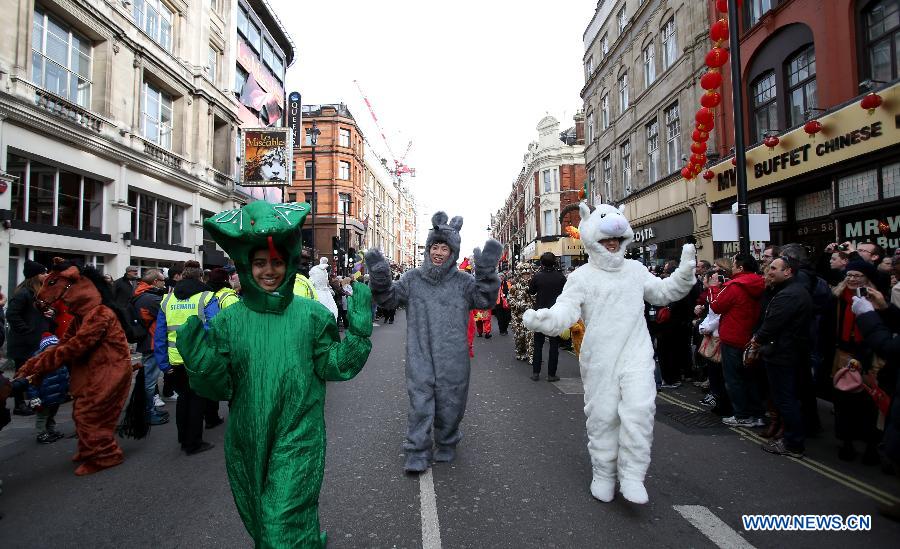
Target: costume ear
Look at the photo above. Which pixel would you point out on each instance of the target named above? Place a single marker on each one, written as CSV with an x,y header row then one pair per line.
x,y
438,219
584,210
456,223
622,209
71,273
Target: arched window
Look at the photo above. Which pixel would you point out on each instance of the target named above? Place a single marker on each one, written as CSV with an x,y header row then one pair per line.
x,y
801,82
880,22
764,105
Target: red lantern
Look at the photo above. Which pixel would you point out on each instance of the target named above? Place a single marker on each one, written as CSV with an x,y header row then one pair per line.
x,y
871,102
698,159
698,147
884,228
712,80
700,136
705,127
704,116
719,31
812,127
708,175
734,161
711,99
722,6
580,194
687,173
716,58
771,142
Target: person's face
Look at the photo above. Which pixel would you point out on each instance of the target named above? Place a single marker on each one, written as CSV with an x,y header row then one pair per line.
x,y
267,271
611,244
177,277
439,253
701,269
767,258
131,273
856,279
42,277
837,262
886,265
735,268
867,252
712,280
777,272
159,281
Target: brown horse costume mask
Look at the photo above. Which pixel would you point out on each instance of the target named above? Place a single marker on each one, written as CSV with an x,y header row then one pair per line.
x,y
96,351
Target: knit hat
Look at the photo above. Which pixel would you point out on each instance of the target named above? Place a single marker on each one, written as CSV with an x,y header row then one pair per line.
x,y
863,267
33,268
47,340
218,276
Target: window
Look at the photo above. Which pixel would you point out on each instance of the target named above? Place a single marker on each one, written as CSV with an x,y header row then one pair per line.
x,y
764,105
858,188
882,36
268,54
254,36
623,92
812,205
649,66
344,171
607,177
308,198
308,169
592,180
157,116
212,64
344,200
801,81
589,67
673,138
621,21
890,180
590,128
669,43
61,60
240,80
549,225
344,137
278,67
243,21
625,155
549,177
653,151
155,219
604,44
48,195
604,112
155,18
754,10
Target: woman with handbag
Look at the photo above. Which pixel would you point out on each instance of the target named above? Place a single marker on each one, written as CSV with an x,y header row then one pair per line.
x,y
855,414
711,348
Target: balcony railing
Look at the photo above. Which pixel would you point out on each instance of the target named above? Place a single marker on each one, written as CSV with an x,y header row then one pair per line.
x,y
161,155
64,108
220,178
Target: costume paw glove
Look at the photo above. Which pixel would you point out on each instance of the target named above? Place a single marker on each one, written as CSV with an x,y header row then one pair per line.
x,y
488,257
689,255
861,305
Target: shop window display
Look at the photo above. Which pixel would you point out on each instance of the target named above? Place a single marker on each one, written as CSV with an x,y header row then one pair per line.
x,y
858,188
813,205
890,177
777,210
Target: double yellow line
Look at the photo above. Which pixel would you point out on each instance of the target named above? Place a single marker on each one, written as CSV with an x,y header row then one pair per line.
x,y
842,478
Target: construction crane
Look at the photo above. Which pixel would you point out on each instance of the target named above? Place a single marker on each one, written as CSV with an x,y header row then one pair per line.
x,y
400,167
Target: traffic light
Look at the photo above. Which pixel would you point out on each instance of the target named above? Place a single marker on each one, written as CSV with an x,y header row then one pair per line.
x,y
336,245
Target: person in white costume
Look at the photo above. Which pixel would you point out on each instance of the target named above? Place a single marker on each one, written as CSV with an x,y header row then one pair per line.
x,y
318,275
608,293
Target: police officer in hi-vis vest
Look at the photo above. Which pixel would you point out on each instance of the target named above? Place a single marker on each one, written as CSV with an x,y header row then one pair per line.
x,y
190,297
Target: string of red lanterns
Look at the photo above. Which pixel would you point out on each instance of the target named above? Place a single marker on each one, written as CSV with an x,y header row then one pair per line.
x,y
711,81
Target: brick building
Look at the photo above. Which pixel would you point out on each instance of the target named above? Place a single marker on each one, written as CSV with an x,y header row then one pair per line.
x,y
340,183
803,60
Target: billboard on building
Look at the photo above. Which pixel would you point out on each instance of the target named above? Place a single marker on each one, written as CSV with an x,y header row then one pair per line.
x,y
266,158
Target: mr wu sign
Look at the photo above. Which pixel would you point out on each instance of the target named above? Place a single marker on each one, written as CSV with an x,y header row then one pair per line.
x,y
884,230
266,159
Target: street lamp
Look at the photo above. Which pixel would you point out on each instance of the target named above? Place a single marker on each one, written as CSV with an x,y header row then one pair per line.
x,y
345,203
313,135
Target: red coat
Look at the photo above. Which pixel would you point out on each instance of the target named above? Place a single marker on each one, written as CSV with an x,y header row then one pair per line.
x,y
738,303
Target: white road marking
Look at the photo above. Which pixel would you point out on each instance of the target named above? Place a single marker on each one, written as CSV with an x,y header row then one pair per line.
x,y
712,527
431,528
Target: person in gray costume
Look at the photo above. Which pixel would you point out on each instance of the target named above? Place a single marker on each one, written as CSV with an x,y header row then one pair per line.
x,y
438,298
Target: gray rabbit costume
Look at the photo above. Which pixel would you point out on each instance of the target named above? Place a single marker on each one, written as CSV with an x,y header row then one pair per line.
x,y
438,299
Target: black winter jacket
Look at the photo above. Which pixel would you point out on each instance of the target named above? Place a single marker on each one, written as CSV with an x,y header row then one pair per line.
x,y
878,331
26,324
123,289
784,333
547,285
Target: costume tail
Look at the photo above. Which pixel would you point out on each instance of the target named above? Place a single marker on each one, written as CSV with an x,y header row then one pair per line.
x,y
135,423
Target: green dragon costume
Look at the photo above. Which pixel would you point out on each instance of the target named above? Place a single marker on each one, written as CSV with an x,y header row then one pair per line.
x,y
270,356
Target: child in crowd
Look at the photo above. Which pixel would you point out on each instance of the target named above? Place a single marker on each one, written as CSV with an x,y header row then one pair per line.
x,y
46,397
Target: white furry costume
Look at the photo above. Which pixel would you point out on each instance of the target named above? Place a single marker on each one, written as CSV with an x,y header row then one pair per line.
x,y
616,360
318,275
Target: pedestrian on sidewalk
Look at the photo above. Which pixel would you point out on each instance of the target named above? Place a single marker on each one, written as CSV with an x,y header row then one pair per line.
x,y
26,324
784,346
738,305
270,355
146,302
123,288
438,298
190,298
45,396
501,308
673,336
546,285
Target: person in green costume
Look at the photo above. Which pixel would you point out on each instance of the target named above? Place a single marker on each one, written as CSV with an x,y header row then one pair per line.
x,y
270,356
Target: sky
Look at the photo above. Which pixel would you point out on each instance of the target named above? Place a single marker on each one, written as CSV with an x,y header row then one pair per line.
x,y
466,81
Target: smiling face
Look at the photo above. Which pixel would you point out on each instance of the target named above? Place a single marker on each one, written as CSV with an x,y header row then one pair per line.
x,y
611,244
268,272
605,233
439,253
